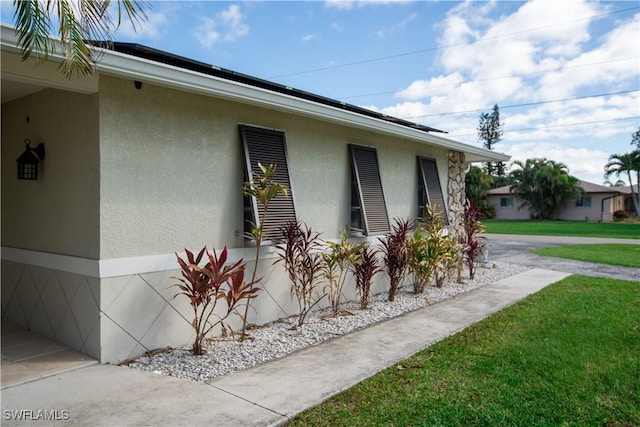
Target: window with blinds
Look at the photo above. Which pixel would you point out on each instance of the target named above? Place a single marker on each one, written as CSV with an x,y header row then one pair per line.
x,y
429,189
368,208
267,146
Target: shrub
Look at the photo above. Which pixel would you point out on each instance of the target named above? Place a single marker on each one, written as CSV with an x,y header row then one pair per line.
x,y
433,254
421,259
363,272
473,248
336,265
206,286
299,252
396,251
620,215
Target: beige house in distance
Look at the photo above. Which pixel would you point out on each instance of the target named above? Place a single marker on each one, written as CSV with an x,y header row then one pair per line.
x,y
598,204
147,157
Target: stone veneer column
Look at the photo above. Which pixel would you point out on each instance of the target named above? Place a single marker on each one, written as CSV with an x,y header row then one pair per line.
x,y
456,191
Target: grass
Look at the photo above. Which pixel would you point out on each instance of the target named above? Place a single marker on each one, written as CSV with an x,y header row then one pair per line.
x,y
567,355
624,230
612,254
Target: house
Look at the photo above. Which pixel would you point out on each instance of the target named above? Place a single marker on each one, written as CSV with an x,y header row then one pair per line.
x,y
147,157
598,204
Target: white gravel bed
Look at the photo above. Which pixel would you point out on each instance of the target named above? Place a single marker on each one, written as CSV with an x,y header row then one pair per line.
x,y
280,338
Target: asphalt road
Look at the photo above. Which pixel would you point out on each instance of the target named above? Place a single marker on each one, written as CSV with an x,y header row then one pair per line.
x,y
513,249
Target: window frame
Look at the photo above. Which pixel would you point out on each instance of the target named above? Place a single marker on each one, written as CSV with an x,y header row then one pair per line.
x,y
580,202
508,202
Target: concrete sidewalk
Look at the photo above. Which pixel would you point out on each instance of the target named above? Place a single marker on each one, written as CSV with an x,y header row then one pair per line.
x,y
268,394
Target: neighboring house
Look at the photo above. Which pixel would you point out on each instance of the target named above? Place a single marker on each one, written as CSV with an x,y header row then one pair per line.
x,y
598,204
148,156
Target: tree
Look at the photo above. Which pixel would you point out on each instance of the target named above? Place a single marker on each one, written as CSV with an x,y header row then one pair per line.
x,y
490,133
544,186
635,138
626,163
74,22
477,184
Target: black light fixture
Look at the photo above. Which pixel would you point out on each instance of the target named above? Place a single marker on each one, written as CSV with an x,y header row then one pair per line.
x,y
28,161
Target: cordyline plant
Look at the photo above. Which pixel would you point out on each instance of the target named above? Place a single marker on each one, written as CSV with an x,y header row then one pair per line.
x,y
363,272
264,188
473,248
396,252
336,265
299,252
206,286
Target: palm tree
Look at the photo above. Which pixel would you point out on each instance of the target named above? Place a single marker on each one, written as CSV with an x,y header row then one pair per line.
x,y
74,22
626,163
544,186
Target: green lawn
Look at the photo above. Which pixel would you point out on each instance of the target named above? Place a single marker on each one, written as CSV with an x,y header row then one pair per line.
x,y
567,355
565,228
613,254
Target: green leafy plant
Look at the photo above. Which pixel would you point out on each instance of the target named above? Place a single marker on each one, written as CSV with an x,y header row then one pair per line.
x,y
206,286
299,251
264,189
435,254
396,252
471,239
336,265
363,273
422,258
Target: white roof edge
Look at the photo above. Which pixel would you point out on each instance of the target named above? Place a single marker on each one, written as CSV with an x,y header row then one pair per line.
x,y
133,67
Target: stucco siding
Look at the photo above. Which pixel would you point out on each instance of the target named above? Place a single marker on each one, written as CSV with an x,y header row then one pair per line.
x,y
589,213
58,213
508,212
172,169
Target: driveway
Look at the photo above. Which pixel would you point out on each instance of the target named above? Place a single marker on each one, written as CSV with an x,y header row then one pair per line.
x,y
513,249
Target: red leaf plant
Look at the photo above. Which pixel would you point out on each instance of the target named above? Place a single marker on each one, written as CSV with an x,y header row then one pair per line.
x,y
208,285
471,239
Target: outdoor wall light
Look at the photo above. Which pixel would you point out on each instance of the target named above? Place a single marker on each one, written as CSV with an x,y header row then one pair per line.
x,y
28,161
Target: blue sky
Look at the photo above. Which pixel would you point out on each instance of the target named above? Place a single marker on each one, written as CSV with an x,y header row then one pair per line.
x,y
440,63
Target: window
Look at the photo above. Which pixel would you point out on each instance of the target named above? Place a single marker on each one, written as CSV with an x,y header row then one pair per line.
x,y
368,209
267,146
506,202
429,190
584,202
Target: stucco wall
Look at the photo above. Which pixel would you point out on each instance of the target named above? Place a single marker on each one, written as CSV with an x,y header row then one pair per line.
x,y
591,213
172,169
58,213
508,212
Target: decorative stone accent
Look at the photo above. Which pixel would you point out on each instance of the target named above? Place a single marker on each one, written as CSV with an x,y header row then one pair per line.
x,y
456,191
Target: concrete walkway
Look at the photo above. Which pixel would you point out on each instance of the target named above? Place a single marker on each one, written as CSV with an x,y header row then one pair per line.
x,y
269,394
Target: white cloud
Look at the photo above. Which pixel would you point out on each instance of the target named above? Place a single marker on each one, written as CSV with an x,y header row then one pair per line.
x,y
350,4
512,67
307,38
337,27
153,27
228,25
587,164
387,31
